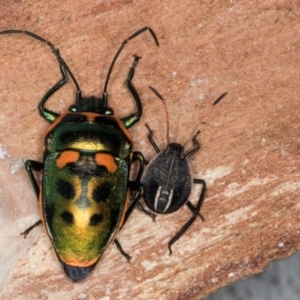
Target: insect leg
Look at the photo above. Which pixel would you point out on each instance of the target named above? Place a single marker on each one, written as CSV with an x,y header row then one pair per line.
x,y
51,116
136,186
195,211
36,224
150,138
31,165
135,117
145,211
137,155
196,144
133,185
48,115
119,247
120,50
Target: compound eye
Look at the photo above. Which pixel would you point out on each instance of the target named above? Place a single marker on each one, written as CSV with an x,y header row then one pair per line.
x,y
109,111
73,108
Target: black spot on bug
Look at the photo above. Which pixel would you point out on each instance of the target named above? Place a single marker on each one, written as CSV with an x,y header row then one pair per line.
x,y
77,127
65,189
102,192
96,219
67,217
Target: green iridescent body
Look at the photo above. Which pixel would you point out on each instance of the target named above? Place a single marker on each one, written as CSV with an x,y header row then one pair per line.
x,y
84,197
83,200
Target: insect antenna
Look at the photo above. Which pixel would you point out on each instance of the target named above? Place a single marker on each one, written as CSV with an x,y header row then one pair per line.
x,y
54,50
120,50
220,98
193,134
166,111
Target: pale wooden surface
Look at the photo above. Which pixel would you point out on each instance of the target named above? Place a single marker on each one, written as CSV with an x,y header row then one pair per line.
x,y
250,141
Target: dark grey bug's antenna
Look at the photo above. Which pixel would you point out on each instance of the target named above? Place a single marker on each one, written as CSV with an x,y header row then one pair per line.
x,y
193,134
166,111
220,98
195,128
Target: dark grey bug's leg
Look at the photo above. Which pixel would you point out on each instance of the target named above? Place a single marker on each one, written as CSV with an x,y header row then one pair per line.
x,y
201,198
145,211
137,155
195,210
196,144
32,165
150,138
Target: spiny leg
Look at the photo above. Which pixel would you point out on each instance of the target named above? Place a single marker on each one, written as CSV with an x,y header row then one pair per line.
x,y
193,217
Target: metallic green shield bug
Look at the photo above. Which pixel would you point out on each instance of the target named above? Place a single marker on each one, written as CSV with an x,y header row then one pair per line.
x,y
84,195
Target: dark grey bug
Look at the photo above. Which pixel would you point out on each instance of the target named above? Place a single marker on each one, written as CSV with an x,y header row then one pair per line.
x,y
168,178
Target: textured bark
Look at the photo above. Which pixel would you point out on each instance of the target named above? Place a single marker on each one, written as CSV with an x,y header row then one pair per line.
x,y
249,152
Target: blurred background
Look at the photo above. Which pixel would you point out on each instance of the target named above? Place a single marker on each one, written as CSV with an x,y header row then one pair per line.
x,y
280,281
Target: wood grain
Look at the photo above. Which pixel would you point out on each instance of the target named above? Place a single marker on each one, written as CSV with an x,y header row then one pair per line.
x,y
249,142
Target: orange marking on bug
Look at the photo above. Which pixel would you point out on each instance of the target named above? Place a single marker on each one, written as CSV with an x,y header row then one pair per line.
x,y
122,220
107,160
91,116
77,263
66,157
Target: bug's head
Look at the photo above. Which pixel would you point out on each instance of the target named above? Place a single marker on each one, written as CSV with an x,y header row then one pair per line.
x,y
92,104
175,149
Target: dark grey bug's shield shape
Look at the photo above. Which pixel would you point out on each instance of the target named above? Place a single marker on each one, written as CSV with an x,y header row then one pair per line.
x,y
167,180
